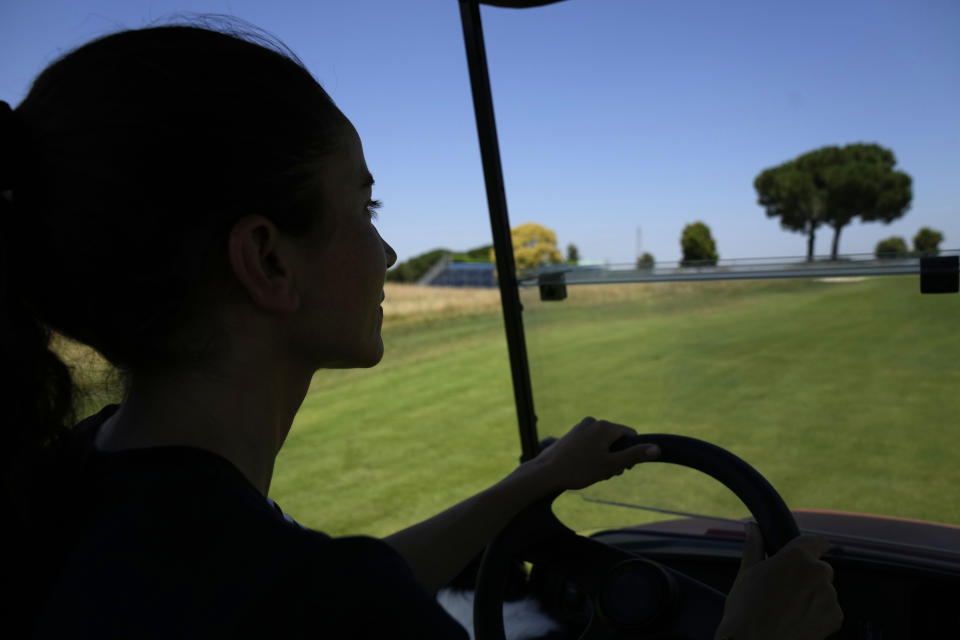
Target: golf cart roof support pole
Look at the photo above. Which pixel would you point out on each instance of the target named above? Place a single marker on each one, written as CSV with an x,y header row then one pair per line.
x,y
500,223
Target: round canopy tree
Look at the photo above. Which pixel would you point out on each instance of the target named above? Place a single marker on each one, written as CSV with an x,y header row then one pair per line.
x,y
789,193
833,185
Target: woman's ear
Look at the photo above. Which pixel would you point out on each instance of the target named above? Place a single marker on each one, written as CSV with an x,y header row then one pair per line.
x,y
262,264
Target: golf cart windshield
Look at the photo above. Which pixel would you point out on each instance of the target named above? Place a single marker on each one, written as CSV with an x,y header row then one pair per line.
x,y
837,388
829,372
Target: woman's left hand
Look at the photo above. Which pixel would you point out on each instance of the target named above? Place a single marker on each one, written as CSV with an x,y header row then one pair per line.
x,y
583,456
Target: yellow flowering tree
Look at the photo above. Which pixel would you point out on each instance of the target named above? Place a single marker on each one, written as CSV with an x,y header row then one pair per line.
x,y
533,245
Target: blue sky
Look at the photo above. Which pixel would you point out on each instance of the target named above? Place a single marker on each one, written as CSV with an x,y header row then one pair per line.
x,y
613,115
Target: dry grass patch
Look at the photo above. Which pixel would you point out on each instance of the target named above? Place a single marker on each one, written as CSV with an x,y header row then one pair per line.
x,y
587,295
412,303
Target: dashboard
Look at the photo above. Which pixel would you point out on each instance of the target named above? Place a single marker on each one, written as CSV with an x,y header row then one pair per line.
x,y
884,595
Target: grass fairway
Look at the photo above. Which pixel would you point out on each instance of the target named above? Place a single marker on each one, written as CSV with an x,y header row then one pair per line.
x,y
842,394
374,450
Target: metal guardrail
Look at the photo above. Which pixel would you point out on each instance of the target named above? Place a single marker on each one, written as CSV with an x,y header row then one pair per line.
x,y
743,269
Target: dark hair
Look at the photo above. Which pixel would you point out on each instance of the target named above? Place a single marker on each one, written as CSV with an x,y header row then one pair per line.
x,y
122,171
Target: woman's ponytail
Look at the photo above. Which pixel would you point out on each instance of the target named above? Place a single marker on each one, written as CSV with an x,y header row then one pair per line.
x,y
36,395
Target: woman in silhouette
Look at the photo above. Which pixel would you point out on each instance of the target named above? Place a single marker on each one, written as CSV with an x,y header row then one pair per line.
x,y
191,204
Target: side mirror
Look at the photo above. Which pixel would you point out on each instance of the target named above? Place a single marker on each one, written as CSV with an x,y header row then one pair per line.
x,y
940,274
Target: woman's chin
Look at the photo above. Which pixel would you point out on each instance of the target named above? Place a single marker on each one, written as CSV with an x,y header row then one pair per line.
x,y
359,359
376,355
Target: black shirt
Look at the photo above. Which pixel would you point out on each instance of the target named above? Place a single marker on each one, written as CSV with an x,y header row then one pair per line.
x,y
174,542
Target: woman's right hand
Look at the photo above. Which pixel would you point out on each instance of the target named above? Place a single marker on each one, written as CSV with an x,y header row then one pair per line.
x,y
789,596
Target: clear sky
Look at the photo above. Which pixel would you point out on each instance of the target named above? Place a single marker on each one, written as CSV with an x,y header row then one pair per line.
x,y
613,115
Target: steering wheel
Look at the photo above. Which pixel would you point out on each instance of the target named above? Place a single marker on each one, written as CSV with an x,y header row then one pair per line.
x,y
630,595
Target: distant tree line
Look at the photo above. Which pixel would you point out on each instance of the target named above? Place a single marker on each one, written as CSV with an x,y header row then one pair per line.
x,y
413,269
825,187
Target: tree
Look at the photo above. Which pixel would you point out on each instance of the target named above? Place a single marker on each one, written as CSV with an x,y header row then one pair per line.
x,y
892,247
926,242
533,245
698,245
861,181
573,254
645,261
414,268
789,193
478,254
832,186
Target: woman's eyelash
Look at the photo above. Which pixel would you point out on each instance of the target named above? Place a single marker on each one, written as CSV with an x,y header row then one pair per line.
x,y
372,207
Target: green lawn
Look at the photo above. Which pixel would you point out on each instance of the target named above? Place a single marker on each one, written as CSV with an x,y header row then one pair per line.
x,y
842,394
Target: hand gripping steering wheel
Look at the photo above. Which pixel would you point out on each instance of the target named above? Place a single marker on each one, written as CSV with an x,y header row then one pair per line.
x,y
630,595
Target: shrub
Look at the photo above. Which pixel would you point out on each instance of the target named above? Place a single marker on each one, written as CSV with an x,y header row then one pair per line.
x,y
892,247
926,242
698,245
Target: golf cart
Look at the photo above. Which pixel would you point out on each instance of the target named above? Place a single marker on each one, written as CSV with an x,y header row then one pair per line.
x,y
661,569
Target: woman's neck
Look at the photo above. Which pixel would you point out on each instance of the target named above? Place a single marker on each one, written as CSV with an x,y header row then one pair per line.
x,y
243,416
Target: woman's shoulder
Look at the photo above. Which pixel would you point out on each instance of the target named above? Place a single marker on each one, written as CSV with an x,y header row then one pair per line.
x,y
177,484
175,541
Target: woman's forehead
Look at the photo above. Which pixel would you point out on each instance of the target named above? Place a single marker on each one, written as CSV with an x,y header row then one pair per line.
x,y
350,166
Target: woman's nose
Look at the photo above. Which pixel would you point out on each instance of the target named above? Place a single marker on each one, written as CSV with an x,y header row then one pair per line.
x,y
390,253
